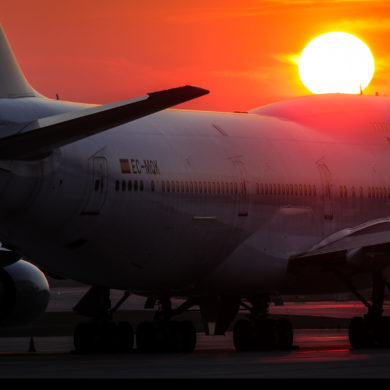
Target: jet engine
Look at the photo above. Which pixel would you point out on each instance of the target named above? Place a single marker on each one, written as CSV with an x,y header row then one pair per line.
x,y
24,293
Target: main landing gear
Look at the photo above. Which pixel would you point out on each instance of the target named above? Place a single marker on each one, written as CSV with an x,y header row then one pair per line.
x,y
105,336
259,332
372,330
165,335
101,334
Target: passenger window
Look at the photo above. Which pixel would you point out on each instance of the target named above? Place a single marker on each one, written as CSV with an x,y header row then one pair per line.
x,y
162,185
123,185
97,185
129,185
141,185
152,186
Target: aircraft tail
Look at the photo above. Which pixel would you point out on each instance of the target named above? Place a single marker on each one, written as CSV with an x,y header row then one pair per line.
x,y
13,84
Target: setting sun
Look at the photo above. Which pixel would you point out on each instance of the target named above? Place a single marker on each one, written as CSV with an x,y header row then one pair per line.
x,y
336,62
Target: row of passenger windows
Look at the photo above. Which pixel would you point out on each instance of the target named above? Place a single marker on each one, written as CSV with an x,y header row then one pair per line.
x,y
202,187
236,188
286,189
311,190
181,186
372,192
131,185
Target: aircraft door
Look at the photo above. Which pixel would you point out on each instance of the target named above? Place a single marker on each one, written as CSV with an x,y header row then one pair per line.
x,y
327,193
242,188
98,186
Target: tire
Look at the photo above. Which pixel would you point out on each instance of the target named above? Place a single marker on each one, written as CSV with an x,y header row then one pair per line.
x,y
359,333
126,337
242,336
382,332
146,337
286,333
267,332
187,333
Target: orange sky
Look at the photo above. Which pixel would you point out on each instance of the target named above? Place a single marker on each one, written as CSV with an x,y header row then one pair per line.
x,y
243,51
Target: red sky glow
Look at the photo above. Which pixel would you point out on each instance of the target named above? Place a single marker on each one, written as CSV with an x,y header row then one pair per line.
x,y
245,52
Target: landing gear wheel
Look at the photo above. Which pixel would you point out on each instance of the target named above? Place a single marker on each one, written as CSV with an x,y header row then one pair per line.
x,y
262,334
267,334
167,336
145,337
243,336
126,337
187,337
104,337
368,333
84,339
286,333
383,332
359,333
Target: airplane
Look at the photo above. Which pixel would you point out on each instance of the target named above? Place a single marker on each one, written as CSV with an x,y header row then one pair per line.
x,y
219,211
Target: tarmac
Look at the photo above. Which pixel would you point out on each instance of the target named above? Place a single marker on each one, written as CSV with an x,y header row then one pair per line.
x,y
44,349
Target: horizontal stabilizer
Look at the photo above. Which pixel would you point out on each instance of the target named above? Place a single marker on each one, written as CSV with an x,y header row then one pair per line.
x,y
40,137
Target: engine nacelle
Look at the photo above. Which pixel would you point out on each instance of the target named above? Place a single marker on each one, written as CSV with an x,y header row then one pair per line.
x,y
24,293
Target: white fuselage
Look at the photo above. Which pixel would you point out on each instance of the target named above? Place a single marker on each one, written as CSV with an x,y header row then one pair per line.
x,y
184,200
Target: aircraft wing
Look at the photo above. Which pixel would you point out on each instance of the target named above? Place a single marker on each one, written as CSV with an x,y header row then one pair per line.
x,y
43,135
366,246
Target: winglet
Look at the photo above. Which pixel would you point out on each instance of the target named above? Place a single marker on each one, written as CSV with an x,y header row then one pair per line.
x,y
13,84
